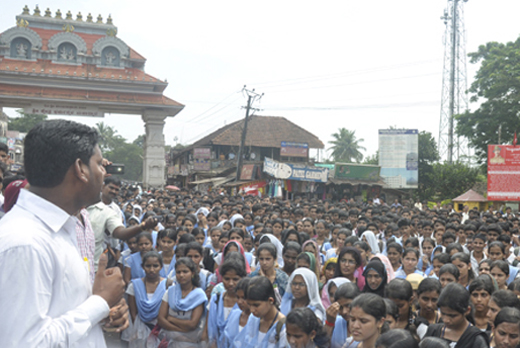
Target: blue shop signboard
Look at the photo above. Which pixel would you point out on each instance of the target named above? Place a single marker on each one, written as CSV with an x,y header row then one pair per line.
x,y
298,172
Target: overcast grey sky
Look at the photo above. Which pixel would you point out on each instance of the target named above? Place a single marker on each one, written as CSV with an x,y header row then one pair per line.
x,y
362,65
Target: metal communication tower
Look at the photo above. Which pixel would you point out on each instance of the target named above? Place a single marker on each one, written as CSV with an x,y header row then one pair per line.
x,y
454,82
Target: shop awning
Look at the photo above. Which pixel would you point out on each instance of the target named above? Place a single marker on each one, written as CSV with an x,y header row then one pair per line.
x,y
335,181
215,181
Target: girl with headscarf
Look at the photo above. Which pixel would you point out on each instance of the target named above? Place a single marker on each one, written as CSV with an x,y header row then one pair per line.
x,y
307,260
370,238
303,291
278,245
312,247
201,214
234,217
327,294
328,269
375,277
138,211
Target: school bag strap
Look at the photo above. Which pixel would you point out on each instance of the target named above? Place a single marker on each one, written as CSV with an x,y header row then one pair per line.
x,y
279,326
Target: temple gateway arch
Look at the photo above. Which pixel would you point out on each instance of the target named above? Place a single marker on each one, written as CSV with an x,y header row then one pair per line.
x,y
59,65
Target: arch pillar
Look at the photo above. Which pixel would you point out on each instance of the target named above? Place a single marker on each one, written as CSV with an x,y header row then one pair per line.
x,y
154,162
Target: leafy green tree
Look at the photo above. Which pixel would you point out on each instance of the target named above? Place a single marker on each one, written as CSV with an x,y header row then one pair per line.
x,y
428,155
497,88
131,156
452,180
374,159
139,141
346,147
24,122
110,140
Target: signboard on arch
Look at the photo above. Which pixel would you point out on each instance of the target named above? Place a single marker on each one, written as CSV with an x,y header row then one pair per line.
x,y
63,110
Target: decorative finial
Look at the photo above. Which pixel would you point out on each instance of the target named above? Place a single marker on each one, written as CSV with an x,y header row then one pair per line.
x,y
111,31
48,12
37,11
26,10
89,18
109,20
69,28
22,23
58,14
69,16
99,19
79,17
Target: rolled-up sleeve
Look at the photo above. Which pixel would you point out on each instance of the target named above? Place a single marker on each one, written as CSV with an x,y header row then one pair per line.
x,y
32,314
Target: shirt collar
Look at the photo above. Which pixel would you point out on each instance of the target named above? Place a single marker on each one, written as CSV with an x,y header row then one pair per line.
x,y
50,214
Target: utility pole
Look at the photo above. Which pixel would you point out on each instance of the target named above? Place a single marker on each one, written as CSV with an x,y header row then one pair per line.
x,y
251,96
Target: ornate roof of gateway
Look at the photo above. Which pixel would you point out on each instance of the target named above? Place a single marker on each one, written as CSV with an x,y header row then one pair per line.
x,y
80,58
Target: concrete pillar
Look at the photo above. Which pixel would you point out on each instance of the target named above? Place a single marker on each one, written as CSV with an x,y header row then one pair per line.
x,y
154,162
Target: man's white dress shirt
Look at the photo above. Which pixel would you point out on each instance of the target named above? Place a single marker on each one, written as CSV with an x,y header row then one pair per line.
x,y
45,293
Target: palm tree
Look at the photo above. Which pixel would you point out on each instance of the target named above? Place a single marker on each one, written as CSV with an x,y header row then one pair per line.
x,y
346,147
109,137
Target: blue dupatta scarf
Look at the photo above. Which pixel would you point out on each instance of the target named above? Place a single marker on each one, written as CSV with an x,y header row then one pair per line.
x,y
148,309
340,333
248,337
194,299
216,321
163,273
135,261
232,328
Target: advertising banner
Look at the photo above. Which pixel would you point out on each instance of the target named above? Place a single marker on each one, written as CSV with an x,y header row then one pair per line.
x,y
292,171
254,188
291,149
356,171
503,173
399,157
247,172
201,165
203,153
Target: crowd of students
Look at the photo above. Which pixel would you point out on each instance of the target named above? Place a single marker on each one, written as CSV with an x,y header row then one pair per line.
x,y
229,271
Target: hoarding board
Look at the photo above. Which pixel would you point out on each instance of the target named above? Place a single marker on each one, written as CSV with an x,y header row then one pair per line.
x,y
503,173
356,171
202,165
292,149
247,172
292,171
203,153
399,157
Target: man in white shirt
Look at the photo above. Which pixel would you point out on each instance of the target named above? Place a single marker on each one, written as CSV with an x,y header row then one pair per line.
x,y
47,299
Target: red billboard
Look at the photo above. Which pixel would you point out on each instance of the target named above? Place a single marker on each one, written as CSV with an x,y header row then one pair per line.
x,y
503,173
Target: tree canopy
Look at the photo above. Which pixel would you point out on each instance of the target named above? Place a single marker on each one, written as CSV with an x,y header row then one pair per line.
x,y
25,122
497,88
346,147
117,150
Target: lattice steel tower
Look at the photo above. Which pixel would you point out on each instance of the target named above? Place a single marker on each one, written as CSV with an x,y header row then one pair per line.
x,y
454,82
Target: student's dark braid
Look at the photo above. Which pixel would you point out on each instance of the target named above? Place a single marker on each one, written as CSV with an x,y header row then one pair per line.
x,y
412,327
